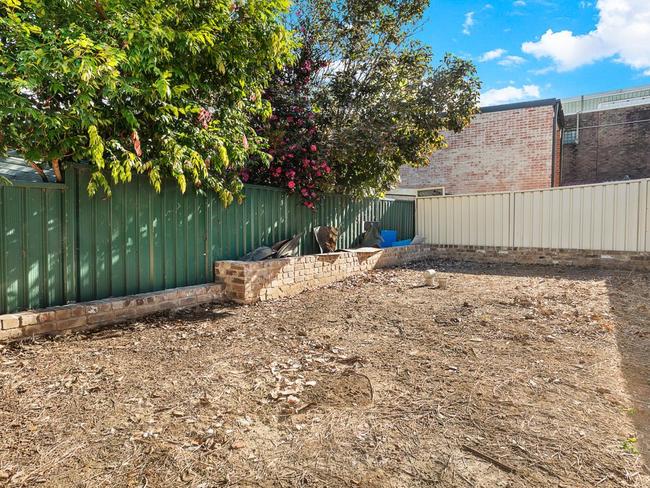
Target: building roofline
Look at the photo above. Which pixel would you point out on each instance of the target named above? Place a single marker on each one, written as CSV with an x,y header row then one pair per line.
x,y
515,106
620,91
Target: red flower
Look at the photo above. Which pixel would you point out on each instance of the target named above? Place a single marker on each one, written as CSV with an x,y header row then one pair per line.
x,y
313,148
135,139
291,185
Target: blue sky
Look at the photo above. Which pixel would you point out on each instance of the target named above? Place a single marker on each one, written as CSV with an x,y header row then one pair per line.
x,y
529,49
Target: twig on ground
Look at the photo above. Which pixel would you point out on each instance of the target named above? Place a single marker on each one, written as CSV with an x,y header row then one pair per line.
x,y
490,459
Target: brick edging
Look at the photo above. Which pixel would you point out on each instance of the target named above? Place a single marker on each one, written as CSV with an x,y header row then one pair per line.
x,y
79,316
625,260
246,282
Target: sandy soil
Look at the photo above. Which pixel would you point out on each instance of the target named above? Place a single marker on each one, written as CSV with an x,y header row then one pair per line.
x,y
511,376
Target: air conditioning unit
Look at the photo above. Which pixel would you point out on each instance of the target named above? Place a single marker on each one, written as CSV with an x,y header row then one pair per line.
x,y
435,191
413,193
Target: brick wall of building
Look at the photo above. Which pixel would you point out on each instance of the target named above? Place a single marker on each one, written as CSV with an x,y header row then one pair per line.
x,y
613,145
500,151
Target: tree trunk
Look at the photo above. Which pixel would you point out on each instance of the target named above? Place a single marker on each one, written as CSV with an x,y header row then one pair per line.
x,y
39,170
57,171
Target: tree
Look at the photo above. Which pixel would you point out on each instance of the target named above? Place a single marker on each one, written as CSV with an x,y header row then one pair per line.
x,y
381,102
161,87
298,163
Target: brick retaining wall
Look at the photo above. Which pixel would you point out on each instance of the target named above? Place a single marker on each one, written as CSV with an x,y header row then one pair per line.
x,y
632,261
87,315
248,282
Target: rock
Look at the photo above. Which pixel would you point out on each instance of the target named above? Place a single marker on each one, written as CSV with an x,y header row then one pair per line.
x,y
238,444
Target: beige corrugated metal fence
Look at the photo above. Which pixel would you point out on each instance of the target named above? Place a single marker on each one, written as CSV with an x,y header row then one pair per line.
x,y
605,217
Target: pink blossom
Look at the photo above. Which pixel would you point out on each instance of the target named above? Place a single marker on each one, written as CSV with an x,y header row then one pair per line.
x,y
313,148
245,141
291,185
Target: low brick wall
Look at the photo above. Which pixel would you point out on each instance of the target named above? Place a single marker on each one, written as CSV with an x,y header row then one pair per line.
x,y
245,282
632,261
87,315
248,282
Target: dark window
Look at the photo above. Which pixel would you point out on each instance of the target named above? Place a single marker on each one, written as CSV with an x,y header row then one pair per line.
x,y
570,136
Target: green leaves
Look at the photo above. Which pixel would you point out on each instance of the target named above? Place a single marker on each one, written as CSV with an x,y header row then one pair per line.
x,y
382,103
162,85
118,85
95,147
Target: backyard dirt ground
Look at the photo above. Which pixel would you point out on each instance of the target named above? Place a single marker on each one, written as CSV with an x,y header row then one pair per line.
x,y
511,376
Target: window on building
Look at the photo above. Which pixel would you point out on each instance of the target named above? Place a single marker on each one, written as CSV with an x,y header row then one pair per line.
x,y
570,136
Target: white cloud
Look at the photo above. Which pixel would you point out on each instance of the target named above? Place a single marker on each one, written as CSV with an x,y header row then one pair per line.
x,y
519,3
469,22
543,71
622,33
492,55
512,61
499,96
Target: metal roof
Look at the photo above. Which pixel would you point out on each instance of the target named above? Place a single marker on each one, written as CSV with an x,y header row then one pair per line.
x,y
15,168
516,106
627,97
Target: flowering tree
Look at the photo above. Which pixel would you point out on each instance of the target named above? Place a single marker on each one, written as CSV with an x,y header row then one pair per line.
x,y
378,99
165,88
298,162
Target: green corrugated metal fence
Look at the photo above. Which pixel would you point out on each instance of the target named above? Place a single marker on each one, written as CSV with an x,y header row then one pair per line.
x,y
59,246
31,246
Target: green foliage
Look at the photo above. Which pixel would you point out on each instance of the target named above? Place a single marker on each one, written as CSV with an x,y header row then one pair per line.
x,y
293,134
382,103
161,87
630,445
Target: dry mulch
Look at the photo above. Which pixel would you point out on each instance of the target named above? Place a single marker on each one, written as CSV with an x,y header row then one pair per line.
x,y
511,376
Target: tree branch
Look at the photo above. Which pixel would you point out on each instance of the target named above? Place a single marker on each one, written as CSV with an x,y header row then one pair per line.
x,y
39,170
100,10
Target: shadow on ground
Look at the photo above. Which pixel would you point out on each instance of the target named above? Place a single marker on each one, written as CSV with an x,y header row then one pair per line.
x,y
629,297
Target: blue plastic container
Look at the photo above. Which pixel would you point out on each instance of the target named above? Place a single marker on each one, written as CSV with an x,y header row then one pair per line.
x,y
389,237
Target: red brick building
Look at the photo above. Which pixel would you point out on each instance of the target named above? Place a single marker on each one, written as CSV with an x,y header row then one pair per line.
x,y
607,137
506,147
